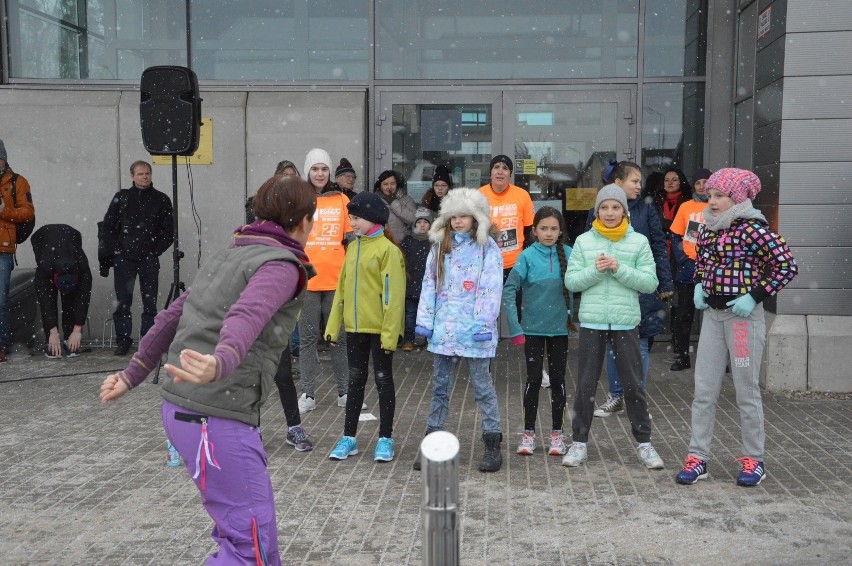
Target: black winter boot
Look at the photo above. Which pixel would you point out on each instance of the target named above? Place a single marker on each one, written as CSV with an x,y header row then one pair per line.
x,y
681,363
493,459
416,465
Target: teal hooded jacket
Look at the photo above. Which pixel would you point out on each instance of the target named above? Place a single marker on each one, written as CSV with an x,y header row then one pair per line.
x,y
538,274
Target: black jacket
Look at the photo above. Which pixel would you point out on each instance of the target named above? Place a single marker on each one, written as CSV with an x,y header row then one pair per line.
x,y
141,226
416,253
58,250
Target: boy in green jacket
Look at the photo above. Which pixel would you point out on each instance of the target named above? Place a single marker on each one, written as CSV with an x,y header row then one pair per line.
x,y
610,265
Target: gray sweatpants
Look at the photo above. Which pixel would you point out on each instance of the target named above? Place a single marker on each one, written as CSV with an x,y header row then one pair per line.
x,y
315,311
725,336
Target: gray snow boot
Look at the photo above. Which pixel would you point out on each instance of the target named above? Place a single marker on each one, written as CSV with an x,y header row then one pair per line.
x,y
416,465
493,459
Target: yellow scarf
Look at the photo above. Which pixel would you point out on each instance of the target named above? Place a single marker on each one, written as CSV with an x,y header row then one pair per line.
x,y
614,234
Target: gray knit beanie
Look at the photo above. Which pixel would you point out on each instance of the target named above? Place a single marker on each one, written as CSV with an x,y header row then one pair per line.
x,y
2,151
611,192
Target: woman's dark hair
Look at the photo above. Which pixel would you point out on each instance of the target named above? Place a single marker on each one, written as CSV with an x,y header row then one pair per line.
x,y
400,180
285,201
550,212
657,192
622,170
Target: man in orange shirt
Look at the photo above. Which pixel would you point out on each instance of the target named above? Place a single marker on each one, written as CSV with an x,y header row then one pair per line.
x,y
511,211
684,230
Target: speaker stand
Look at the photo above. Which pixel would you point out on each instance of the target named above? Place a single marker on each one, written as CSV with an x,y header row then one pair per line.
x,y
177,286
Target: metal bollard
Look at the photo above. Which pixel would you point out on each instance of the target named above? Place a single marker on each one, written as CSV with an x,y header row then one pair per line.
x,y
440,463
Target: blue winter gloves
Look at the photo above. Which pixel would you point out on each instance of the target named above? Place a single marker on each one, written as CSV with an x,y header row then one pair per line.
x,y
421,331
698,297
482,337
742,305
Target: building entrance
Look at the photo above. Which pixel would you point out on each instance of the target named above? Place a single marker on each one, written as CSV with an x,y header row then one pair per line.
x,y
560,139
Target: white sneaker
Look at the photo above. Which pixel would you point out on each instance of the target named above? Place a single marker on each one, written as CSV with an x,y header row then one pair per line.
x,y
545,380
649,457
306,404
527,445
341,402
577,454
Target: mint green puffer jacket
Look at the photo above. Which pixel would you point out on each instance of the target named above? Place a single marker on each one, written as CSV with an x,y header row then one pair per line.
x,y
611,298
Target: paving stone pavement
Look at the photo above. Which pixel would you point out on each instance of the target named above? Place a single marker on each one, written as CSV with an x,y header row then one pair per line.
x,y
83,483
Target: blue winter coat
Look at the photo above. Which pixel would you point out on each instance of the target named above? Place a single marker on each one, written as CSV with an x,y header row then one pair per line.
x,y
538,273
466,303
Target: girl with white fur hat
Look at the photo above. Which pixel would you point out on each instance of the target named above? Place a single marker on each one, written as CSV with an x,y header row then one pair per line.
x,y
458,309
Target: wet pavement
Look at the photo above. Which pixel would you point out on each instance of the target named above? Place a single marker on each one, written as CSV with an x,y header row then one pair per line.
x,y
84,483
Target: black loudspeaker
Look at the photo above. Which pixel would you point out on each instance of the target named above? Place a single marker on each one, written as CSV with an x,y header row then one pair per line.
x,y
170,110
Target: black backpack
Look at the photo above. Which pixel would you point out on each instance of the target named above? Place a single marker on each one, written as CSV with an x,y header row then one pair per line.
x,y
22,229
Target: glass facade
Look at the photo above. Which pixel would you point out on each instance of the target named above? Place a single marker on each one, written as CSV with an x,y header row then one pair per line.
x,y
273,40
675,38
505,39
97,40
673,126
567,43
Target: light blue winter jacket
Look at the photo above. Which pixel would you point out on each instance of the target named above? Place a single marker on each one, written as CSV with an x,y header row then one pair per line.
x,y
538,273
467,302
611,300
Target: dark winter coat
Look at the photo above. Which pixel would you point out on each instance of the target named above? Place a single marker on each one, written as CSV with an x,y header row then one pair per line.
x,y
58,250
139,222
416,253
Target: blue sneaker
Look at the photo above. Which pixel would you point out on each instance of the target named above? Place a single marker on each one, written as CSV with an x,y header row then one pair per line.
x,y
347,446
384,450
753,472
693,470
173,459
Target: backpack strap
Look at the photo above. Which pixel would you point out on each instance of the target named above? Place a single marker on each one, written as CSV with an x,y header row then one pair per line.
x,y
14,190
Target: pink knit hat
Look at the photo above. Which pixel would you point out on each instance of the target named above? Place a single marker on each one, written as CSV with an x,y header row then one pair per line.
x,y
738,184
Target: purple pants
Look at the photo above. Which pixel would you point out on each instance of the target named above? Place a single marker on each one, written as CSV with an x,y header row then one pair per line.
x,y
231,476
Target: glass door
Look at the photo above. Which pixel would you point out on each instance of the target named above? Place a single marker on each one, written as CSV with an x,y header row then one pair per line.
x,y
417,131
563,140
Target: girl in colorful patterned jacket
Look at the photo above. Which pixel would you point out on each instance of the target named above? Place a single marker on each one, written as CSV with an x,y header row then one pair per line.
x,y
739,263
224,336
459,305
370,302
610,265
539,272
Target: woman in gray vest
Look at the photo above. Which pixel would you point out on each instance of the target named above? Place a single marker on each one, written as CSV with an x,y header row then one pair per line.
x,y
224,337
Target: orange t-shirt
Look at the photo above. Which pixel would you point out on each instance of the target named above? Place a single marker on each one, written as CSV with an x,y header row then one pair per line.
x,y
689,217
325,243
511,210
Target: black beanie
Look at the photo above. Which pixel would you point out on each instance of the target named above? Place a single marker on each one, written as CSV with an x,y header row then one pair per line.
x,y
502,159
343,168
369,206
442,174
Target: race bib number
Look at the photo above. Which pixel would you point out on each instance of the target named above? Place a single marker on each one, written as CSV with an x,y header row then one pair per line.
x,y
692,231
508,239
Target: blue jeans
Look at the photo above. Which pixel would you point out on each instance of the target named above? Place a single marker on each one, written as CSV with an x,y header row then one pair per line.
x,y
126,271
484,392
615,388
7,264
410,319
